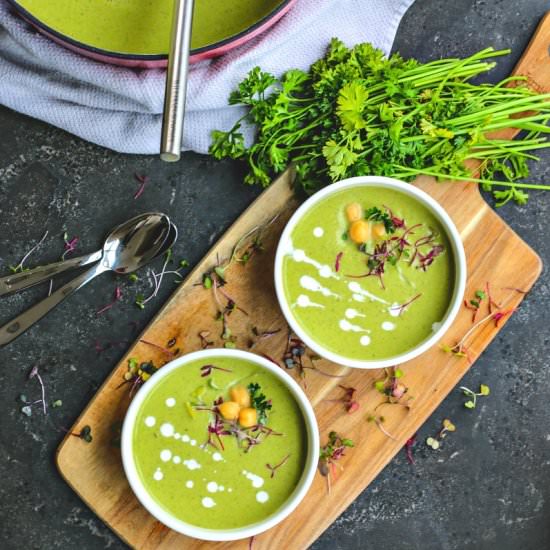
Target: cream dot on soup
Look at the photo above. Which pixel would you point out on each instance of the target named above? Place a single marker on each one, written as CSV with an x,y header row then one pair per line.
x,y
167,429
192,464
262,496
176,459
150,421
185,438
165,455
189,484
318,232
158,475
208,502
211,486
217,457
298,255
388,325
304,301
170,402
364,340
256,480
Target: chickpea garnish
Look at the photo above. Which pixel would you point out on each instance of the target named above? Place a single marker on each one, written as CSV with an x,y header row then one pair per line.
x,y
354,212
229,410
360,231
378,230
248,417
240,395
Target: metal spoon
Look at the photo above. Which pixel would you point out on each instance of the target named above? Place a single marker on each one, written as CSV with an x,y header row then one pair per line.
x,y
26,279
123,253
176,81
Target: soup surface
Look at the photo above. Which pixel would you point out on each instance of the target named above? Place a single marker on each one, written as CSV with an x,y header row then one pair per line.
x,y
373,298
142,27
219,480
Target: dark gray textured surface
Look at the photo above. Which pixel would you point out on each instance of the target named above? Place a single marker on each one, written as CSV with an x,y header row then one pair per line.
x,y
487,488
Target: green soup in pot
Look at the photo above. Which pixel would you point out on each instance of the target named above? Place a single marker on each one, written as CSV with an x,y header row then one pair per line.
x,y
202,483
142,27
334,290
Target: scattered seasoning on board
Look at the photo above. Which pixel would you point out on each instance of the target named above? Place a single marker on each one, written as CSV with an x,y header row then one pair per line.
x,y
329,456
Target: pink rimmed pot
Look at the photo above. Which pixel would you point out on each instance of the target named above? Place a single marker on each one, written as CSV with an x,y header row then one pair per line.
x,y
155,61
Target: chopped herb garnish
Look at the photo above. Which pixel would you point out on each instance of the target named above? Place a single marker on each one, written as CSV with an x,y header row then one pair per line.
x,y
376,215
329,456
259,402
57,403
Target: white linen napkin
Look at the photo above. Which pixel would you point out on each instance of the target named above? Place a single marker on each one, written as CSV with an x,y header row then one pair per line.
x,y
121,108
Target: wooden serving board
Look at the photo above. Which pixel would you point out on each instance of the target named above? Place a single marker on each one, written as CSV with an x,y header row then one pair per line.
x,y
494,253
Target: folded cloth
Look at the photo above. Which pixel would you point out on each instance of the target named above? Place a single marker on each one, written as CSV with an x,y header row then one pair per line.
x,y
121,108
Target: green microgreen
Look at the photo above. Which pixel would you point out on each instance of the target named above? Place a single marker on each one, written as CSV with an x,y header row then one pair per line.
x,y
133,278
356,112
472,395
137,374
330,454
435,441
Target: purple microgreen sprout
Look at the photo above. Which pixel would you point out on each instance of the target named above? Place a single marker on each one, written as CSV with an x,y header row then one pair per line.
x,y
475,303
337,261
69,245
117,297
409,444
348,399
143,180
392,388
400,308
379,421
273,469
164,350
20,266
329,456
205,343
472,395
206,370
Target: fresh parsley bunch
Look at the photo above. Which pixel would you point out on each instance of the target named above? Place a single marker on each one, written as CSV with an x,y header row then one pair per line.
x,y
356,112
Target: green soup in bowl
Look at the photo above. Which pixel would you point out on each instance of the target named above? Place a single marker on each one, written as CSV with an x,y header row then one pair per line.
x,y
370,272
220,444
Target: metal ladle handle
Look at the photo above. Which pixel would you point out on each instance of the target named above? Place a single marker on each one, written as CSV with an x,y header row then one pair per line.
x,y
176,81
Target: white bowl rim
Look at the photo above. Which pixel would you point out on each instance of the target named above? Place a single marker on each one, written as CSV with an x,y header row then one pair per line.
x,y
458,254
188,529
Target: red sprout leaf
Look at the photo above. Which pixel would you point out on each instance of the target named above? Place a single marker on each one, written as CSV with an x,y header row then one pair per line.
x,y
337,261
516,289
425,260
273,469
499,315
69,246
251,542
167,351
408,449
117,297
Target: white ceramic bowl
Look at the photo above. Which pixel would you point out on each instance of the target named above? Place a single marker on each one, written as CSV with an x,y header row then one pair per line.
x,y
218,534
457,249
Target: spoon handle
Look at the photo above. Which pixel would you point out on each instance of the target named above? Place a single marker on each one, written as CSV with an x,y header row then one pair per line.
x,y
20,281
21,323
176,81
